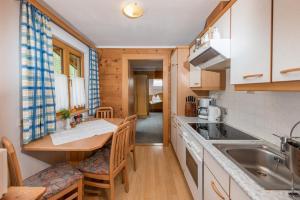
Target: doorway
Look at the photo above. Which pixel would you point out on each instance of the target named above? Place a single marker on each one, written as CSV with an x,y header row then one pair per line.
x,y
146,99
144,82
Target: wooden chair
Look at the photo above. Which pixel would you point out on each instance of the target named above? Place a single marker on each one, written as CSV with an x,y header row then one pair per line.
x,y
105,112
132,131
101,169
62,181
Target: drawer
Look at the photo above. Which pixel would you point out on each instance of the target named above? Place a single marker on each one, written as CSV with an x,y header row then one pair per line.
x,y
217,171
212,188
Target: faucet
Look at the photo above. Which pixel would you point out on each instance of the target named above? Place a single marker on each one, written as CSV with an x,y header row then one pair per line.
x,y
289,151
284,140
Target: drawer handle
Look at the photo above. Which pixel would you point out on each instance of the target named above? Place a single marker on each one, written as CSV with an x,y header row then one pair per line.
x,y
285,71
196,83
253,76
215,189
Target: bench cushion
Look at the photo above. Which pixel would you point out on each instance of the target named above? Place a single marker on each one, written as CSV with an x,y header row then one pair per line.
x,y
55,179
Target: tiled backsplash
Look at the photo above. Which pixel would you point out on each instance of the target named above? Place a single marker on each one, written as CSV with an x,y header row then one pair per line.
x,y
260,113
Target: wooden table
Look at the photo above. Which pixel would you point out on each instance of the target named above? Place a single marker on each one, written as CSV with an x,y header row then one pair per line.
x,y
24,193
75,150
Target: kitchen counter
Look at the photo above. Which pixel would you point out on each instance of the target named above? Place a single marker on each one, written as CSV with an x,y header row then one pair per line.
x,y
248,185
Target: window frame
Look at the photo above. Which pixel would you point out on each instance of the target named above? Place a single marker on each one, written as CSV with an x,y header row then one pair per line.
x,y
66,51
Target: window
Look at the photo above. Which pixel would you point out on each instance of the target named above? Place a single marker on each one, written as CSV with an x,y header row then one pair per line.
x,y
69,77
58,60
157,82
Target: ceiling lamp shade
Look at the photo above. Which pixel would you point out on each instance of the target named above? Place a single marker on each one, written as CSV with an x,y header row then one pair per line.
x,y
133,10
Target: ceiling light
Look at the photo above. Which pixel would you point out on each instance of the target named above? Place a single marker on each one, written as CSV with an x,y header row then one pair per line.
x,y
133,10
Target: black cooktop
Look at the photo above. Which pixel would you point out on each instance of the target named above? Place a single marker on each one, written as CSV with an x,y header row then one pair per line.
x,y
220,131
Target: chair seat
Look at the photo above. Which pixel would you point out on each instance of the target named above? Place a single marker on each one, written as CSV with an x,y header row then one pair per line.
x,y
55,179
96,164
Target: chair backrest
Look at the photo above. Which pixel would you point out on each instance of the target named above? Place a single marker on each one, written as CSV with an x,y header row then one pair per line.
x,y
105,112
119,147
13,164
132,130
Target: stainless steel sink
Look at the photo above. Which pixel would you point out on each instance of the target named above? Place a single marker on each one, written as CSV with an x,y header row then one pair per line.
x,y
265,165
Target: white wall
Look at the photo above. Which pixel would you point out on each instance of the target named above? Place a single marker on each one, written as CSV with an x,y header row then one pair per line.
x,y
261,113
10,82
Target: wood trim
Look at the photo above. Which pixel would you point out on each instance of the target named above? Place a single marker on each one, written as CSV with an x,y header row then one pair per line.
x,y
289,86
166,100
61,23
87,144
215,12
213,21
25,193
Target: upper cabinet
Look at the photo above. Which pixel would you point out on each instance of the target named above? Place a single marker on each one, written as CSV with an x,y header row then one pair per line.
x,y
286,40
251,41
223,25
203,80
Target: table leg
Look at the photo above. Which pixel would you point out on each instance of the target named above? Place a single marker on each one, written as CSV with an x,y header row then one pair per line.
x,y
75,157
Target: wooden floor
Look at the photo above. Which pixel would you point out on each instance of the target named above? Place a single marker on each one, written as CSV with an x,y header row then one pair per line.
x,y
158,177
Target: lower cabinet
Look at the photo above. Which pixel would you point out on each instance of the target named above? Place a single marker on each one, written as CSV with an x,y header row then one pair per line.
x,y
236,193
180,147
212,189
174,134
218,185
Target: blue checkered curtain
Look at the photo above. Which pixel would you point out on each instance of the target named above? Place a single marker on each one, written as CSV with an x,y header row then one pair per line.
x,y
94,93
38,95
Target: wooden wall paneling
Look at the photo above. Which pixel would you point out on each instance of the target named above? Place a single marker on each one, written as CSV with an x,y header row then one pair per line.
x,y
110,80
214,80
183,87
183,83
111,66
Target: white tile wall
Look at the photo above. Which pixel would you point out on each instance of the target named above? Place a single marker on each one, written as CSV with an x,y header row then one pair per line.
x,y
260,113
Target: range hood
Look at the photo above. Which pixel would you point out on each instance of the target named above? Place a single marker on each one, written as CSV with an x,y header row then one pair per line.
x,y
213,55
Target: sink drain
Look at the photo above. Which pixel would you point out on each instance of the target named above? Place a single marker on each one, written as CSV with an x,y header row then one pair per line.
x,y
260,173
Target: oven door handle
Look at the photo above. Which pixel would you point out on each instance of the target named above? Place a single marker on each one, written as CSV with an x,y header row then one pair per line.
x,y
193,152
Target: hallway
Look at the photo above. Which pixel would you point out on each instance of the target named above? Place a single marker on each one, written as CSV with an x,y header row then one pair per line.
x,y
150,129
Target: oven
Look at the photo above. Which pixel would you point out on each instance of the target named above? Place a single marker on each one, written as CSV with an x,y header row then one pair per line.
x,y
194,167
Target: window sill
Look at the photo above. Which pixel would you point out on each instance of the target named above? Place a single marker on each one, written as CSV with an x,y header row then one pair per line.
x,y
73,113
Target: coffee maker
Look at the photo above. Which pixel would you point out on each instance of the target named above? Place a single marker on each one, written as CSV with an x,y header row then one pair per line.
x,y
203,104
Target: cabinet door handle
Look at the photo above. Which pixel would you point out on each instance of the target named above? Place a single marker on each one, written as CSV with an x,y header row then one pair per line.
x,y
253,76
215,189
285,71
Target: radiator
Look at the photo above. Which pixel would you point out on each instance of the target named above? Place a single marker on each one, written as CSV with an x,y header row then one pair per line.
x,y
3,172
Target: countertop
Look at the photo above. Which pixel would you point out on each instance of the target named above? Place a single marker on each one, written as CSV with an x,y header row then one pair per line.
x,y
248,185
